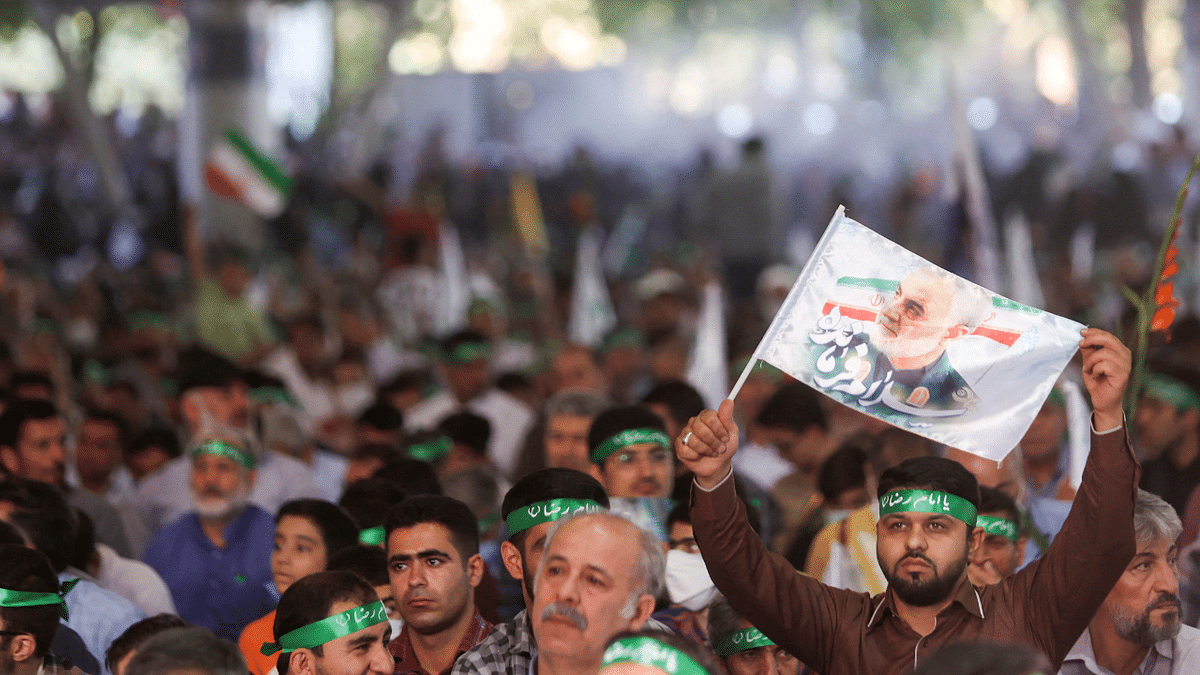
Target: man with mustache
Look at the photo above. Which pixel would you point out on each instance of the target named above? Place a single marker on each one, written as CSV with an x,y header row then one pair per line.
x,y
599,576
434,566
217,559
529,510
926,532
1138,628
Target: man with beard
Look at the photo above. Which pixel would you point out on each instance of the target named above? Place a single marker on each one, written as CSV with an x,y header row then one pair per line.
x,y
1002,549
598,577
924,537
1138,628
217,559
434,566
631,456
530,508
331,623
928,310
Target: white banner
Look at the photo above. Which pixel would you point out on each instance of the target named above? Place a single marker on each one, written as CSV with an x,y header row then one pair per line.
x,y
884,331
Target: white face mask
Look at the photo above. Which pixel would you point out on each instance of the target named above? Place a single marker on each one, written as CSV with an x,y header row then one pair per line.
x,y
688,582
397,624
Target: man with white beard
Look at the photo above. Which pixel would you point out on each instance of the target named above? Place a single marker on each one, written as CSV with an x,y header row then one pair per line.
x,y
217,559
928,310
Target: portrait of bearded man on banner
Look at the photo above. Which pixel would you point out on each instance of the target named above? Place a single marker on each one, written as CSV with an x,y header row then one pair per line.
x,y
898,356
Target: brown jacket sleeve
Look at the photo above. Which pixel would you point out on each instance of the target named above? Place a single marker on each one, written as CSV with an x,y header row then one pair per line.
x,y
796,611
1060,593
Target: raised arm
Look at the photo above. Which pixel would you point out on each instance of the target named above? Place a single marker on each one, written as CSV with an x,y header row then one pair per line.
x,y
796,611
1062,591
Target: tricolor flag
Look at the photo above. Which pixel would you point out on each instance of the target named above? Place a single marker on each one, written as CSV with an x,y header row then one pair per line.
x,y
884,331
240,172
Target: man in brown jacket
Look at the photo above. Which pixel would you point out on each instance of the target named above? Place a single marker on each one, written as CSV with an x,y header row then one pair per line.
x,y
925,535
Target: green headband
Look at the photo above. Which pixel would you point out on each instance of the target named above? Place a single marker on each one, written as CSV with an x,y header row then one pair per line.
x,y
431,451
627,438
996,525
1170,390
271,395
928,501
740,641
548,511
328,629
372,536
650,652
14,599
219,448
466,352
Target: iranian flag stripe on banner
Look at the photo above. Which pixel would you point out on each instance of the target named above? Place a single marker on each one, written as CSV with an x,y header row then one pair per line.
x,y
880,329
238,171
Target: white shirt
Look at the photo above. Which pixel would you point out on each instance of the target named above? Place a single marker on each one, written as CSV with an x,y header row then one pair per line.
x,y
1178,656
135,581
510,419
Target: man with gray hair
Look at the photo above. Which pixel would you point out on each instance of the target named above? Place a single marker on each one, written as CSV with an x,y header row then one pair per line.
x,y
569,415
217,559
1138,628
928,310
600,575
186,651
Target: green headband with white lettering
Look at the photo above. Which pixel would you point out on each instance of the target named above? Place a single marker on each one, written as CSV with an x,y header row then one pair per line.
x,y
928,501
1170,390
17,599
650,652
740,641
328,629
548,511
219,448
999,526
627,438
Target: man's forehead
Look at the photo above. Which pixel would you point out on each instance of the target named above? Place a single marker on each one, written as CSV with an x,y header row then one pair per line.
x,y
415,539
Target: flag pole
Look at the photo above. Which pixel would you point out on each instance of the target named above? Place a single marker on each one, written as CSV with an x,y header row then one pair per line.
x,y
771,330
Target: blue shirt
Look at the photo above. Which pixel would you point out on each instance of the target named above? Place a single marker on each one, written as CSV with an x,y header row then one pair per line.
x,y
221,589
98,616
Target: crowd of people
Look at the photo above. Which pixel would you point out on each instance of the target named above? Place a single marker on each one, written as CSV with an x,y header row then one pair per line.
x,y
222,462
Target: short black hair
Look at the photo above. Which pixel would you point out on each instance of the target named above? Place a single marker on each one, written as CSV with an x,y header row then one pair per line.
x,y
992,500
35,377
20,411
25,569
43,516
368,562
138,633
468,430
200,367
931,473
679,397
450,513
154,437
85,540
794,406
338,528
368,499
615,420
411,475
382,416
679,514
109,417
547,484
186,650
843,470
311,598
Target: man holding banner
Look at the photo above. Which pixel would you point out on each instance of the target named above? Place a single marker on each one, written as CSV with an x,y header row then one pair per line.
x,y
926,532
